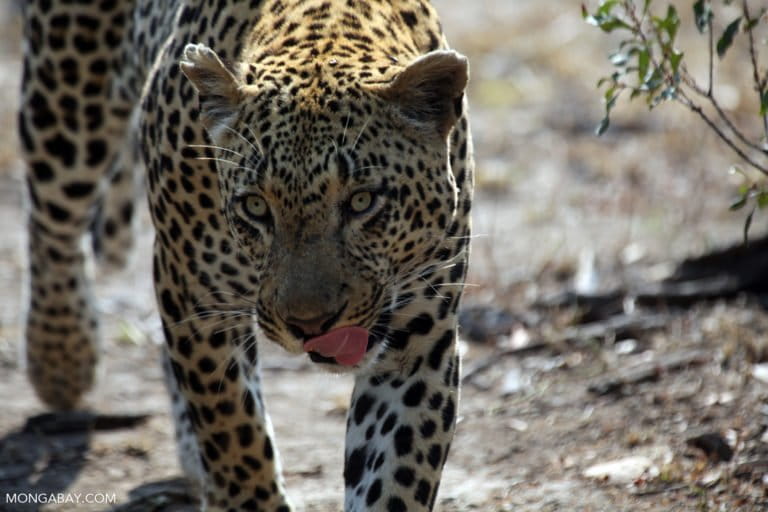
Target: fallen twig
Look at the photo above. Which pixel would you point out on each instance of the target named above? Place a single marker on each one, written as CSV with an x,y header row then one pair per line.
x,y
620,326
649,371
486,363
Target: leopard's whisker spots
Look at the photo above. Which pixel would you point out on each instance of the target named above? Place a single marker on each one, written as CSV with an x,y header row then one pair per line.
x,y
241,136
255,143
344,133
211,146
218,159
469,237
335,146
364,168
360,133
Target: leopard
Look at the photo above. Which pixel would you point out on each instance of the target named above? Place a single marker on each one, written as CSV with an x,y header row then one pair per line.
x,y
308,167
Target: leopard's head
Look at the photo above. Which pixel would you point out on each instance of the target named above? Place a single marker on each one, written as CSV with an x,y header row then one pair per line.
x,y
337,188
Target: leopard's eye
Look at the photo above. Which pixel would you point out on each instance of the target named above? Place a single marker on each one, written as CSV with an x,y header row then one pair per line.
x,y
361,202
256,207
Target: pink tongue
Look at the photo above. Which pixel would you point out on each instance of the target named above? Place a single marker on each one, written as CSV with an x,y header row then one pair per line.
x,y
346,344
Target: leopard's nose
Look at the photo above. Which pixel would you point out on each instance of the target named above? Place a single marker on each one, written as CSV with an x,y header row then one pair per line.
x,y
311,325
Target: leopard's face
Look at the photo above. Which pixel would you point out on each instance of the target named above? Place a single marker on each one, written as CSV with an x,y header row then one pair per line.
x,y
335,211
338,197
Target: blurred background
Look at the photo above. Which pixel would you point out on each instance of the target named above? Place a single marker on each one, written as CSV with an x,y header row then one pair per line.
x,y
590,383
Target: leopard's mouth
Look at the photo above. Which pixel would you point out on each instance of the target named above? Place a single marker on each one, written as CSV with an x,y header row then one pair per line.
x,y
345,346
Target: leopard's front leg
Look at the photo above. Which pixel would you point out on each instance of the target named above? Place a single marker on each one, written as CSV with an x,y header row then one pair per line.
x,y
400,427
213,360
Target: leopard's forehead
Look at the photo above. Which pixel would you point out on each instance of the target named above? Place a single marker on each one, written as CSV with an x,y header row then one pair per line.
x,y
354,33
306,157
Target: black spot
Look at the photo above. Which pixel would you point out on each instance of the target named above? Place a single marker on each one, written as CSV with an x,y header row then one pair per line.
x,y
405,476
195,384
439,348
403,440
217,339
245,435
226,407
389,423
233,371
409,18
210,451
449,412
207,414
435,455
435,401
382,410
269,453
427,429
415,394
240,473
354,467
249,404
169,306
61,147
85,44
262,494
221,439
97,152
374,492
252,462
395,504
422,492
56,212
206,365
185,346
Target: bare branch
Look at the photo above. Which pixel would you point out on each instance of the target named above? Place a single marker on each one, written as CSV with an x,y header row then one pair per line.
x,y
690,82
711,56
759,84
696,108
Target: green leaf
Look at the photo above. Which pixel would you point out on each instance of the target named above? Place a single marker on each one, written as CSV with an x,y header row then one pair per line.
x,y
764,103
611,23
606,7
672,22
726,40
739,203
674,60
702,12
643,60
747,225
762,199
668,24
646,5
752,23
602,126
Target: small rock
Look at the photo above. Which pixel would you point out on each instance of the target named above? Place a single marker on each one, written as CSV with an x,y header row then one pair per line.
x,y
760,372
714,446
625,347
515,381
622,471
519,425
586,281
710,478
483,323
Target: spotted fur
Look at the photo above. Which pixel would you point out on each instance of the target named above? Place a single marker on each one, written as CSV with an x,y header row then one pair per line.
x,y
258,124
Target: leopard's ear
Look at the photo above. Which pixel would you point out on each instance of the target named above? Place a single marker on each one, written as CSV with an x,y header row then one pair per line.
x,y
217,86
428,93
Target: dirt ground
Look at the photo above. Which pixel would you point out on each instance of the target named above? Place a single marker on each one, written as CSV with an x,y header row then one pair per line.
x,y
557,207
